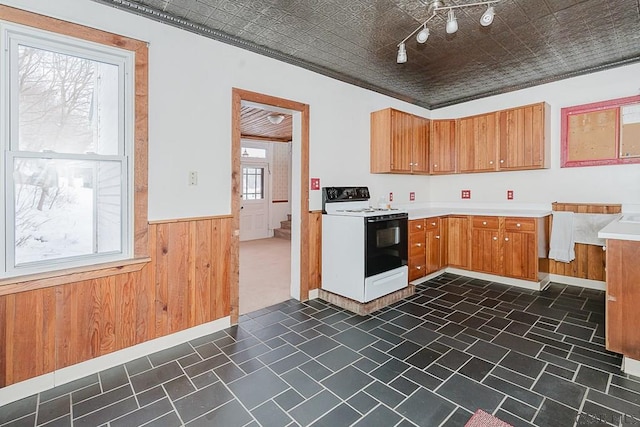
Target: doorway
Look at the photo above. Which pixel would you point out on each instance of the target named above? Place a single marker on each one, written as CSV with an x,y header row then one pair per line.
x,y
299,288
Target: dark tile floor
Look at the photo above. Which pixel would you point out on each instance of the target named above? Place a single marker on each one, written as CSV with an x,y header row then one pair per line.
x,y
458,344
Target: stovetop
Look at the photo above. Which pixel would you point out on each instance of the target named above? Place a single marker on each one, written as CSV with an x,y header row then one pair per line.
x,y
351,201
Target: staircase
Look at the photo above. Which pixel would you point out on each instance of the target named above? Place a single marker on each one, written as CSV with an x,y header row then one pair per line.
x,y
284,232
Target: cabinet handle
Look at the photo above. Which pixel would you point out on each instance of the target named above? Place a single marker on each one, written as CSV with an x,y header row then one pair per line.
x,y
604,248
518,225
418,267
433,223
410,164
495,238
491,162
419,245
418,227
437,237
435,166
501,161
506,239
611,298
415,164
484,222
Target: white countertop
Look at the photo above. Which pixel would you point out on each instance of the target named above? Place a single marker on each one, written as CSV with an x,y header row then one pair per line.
x,y
419,213
620,230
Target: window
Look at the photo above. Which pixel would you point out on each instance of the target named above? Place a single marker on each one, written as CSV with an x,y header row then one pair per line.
x,y
252,183
67,108
602,133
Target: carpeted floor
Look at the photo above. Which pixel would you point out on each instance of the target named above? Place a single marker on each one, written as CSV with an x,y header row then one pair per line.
x,y
265,273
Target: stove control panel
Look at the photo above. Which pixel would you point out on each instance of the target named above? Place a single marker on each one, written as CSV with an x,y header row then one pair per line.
x,y
344,194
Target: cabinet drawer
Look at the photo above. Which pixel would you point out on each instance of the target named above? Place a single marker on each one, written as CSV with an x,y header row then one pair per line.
x,y
432,223
490,222
520,224
417,267
416,226
417,248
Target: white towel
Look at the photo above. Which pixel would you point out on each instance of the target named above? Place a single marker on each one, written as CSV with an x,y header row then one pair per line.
x,y
562,243
586,227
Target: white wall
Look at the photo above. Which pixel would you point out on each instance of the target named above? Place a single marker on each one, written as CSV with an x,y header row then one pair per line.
x,y
191,78
597,184
190,82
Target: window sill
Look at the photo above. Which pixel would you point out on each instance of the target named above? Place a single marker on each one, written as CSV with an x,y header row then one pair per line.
x,y
14,285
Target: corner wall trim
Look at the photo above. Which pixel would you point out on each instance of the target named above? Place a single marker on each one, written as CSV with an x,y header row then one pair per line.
x,y
38,384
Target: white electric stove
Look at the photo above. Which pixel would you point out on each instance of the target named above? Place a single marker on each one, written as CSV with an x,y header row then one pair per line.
x,y
364,249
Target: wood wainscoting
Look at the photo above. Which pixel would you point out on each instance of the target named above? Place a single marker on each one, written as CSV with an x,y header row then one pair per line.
x,y
315,249
590,259
185,284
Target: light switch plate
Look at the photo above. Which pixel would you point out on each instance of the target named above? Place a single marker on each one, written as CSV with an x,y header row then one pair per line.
x,y
315,183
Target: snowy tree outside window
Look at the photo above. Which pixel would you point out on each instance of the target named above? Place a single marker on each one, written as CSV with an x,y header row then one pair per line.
x,y
66,186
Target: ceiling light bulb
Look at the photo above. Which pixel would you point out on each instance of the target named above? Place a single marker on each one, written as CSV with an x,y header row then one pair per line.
x,y
452,22
487,17
423,35
402,54
275,119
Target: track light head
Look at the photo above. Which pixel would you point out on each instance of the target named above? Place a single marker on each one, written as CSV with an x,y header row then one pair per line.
x,y
487,17
423,35
402,54
452,22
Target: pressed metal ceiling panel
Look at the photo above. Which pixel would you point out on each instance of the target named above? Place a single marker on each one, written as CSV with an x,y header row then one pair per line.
x,y
530,41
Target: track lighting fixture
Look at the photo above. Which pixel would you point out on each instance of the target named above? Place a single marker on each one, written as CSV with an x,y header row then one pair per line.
x,y
451,27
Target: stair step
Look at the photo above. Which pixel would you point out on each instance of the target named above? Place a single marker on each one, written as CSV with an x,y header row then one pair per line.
x,y
288,217
282,233
285,224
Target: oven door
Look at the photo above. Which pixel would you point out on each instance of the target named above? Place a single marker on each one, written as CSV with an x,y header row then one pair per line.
x,y
386,246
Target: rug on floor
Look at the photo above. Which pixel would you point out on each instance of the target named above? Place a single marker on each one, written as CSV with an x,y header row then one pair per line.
x,y
483,419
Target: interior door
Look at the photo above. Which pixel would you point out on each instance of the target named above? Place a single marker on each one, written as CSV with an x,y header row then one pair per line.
x,y
254,206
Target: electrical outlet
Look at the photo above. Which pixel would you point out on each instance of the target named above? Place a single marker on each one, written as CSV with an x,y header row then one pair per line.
x,y
412,196
466,194
315,183
391,197
193,178
509,194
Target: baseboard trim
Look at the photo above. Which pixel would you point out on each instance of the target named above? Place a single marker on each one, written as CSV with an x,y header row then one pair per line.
x,y
314,293
576,281
536,286
40,383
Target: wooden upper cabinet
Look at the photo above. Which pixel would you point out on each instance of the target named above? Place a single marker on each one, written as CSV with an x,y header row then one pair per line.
x,y
524,137
443,146
478,143
399,142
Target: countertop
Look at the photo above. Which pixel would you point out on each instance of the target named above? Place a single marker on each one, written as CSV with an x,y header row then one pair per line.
x,y
621,230
419,213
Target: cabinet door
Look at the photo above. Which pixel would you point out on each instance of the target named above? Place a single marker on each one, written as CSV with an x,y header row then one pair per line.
x,y
434,250
458,242
520,255
623,297
420,146
401,141
443,146
522,133
486,251
478,147
417,249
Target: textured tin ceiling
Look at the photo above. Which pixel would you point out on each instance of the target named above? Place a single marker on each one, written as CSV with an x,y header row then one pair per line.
x,y
530,41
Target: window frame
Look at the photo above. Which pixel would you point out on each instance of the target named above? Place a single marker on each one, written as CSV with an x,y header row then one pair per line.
x,y
137,164
612,104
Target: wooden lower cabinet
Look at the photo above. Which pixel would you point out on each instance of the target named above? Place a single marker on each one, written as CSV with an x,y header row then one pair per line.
x,y
623,298
458,242
486,248
426,244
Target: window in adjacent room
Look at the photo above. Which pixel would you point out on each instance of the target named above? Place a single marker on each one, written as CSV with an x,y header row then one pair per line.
x,y
67,120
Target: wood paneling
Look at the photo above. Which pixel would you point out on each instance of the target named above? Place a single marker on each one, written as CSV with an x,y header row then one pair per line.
x,y
315,249
590,259
623,296
185,284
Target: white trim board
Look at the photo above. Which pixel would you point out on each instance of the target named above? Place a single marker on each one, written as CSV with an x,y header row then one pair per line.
x,y
576,281
44,382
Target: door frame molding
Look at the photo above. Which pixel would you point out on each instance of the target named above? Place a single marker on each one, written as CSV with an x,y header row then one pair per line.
x,y
239,95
